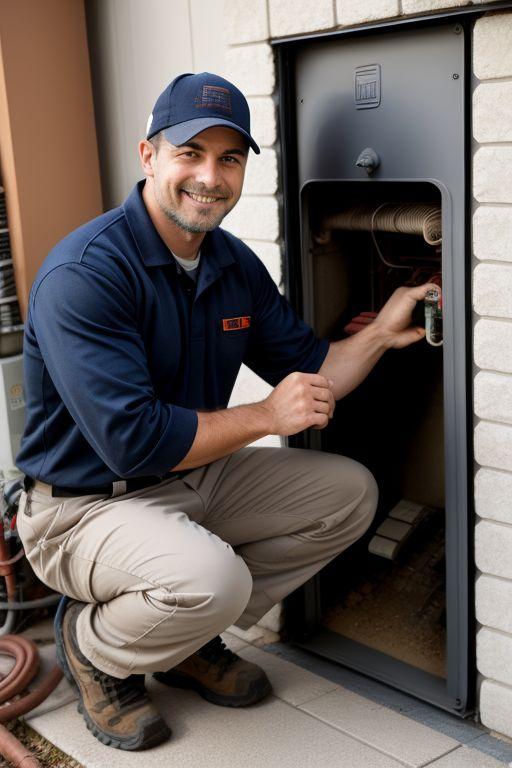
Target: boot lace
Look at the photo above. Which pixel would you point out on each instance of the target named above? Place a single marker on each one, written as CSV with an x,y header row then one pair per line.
x,y
216,652
124,694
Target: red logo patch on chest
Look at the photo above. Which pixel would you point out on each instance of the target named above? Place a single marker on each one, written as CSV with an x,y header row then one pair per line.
x,y
236,323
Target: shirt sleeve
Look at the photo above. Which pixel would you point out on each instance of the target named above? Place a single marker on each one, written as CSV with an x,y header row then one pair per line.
x,y
86,329
280,342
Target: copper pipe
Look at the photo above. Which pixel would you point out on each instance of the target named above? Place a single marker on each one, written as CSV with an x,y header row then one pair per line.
x,y
19,554
14,751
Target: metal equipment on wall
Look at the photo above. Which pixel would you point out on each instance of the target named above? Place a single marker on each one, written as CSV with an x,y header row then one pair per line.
x,y
373,132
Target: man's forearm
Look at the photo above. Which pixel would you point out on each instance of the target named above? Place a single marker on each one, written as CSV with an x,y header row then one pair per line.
x,y
350,360
220,433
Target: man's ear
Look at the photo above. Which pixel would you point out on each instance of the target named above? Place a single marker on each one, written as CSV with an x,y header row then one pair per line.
x,y
147,154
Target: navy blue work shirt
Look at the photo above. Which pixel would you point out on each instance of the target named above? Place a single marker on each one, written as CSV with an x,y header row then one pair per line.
x,y
121,348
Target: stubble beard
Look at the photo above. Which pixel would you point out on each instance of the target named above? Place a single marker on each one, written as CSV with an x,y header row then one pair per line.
x,y
195,228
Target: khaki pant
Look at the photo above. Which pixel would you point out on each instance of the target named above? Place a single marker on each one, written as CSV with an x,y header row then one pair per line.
x,y
166,568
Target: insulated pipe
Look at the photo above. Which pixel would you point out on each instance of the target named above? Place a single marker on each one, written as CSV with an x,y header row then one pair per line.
x,y
29,605
413,219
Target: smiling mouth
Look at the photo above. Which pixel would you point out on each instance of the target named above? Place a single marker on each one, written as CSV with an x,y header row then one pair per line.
x,y
203,198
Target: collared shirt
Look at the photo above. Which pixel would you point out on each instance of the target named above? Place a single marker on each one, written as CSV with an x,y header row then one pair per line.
x,y
121,348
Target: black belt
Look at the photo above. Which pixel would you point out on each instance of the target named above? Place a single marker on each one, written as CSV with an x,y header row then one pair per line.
x,y
132,484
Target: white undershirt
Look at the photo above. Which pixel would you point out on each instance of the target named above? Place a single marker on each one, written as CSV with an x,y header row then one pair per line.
x,y
189,265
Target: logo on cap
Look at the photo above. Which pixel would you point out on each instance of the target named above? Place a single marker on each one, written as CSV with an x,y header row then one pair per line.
x,y
214,97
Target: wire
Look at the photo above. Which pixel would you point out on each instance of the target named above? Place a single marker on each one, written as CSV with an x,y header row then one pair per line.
x,y
387,263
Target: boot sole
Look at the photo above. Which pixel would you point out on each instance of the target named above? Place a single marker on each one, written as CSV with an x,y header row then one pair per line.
x,y
154,731
152,734
176,680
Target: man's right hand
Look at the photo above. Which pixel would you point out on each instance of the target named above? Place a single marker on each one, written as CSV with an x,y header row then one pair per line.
x,y
299,401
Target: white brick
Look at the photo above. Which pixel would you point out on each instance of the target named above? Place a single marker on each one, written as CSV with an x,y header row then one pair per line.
x,y
492,290
254,218
492,174
493,553
261,173
493,600
419,6
249,388
263,121
251,68
496,707
494,655
492,51
493,492
492,233
493,445
291,17
270,255
356,12
274,619
492,345
245,23
492,112
493,396
269,441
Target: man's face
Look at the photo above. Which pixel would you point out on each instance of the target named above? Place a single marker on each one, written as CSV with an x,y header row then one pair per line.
x,y
198,183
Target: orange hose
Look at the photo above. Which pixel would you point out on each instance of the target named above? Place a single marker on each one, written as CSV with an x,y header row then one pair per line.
x,y
26,666
15,752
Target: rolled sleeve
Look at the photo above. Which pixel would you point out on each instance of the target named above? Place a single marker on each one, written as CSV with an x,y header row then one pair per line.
x,y
281,342
88,337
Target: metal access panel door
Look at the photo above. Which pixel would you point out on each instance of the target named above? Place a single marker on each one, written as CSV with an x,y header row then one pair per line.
x,y
402,93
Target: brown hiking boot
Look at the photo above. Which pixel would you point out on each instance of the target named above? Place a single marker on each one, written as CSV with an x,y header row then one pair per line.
x,y
219,676
118,712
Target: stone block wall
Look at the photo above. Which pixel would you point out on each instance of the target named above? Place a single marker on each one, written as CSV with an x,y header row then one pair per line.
x,y
492,302
256,220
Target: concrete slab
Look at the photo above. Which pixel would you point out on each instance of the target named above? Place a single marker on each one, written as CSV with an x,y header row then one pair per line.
x,y
63,694
396,735
249,635
256,634
41,632
494,746
465,757
233,642
290,682
271,733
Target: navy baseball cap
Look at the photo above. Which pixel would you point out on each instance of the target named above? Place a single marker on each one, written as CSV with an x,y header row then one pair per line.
x,y
192,103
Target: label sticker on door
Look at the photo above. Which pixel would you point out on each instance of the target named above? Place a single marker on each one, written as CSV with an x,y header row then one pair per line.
x,y
367,86
16,399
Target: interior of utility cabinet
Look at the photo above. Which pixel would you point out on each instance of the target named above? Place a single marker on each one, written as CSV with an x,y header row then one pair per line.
x,y
388,590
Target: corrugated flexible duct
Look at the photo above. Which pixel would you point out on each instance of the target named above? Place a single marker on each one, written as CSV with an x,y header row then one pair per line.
x,y
412,219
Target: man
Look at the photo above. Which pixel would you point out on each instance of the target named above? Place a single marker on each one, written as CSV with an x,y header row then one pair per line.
x,y
143,504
